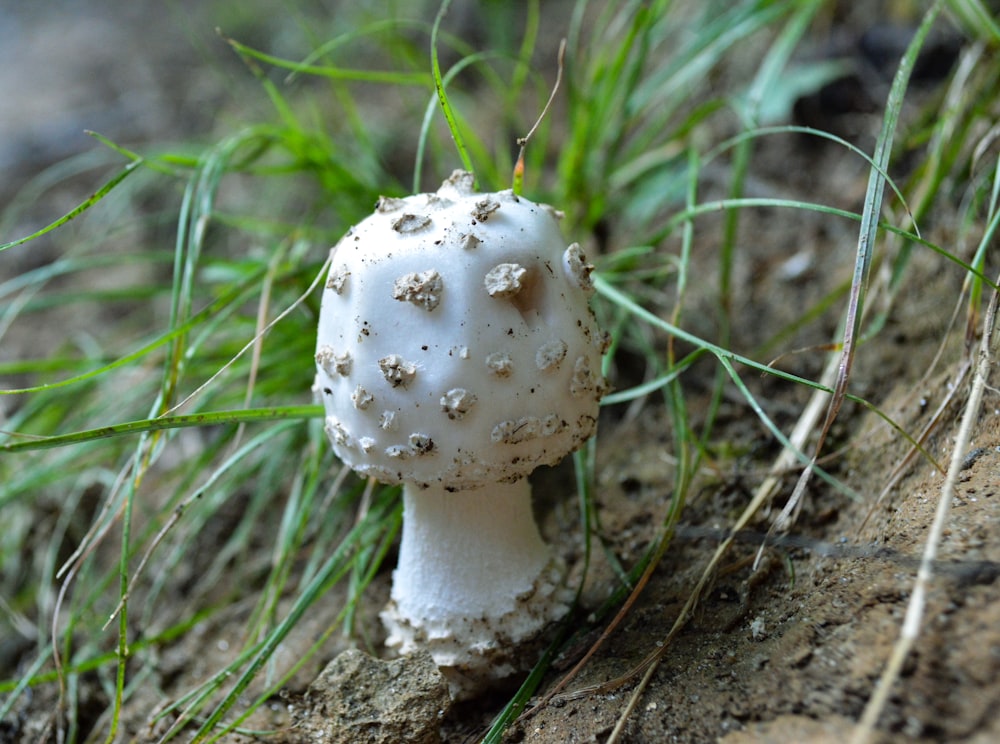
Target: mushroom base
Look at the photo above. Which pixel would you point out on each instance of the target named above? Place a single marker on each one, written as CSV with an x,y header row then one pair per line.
x,y
475,584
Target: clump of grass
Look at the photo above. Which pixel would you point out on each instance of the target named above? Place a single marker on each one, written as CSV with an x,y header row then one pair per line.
x,y
178,444
162,474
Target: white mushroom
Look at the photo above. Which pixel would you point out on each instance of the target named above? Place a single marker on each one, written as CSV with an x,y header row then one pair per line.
x,y
485,369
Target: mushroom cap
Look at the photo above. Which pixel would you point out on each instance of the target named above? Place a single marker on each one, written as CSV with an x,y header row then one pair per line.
x,y
456,344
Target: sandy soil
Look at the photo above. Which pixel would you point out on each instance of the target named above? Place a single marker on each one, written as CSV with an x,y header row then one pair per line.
x,y
786,652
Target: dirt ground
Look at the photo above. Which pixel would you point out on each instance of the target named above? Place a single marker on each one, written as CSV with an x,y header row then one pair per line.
x,y
787,652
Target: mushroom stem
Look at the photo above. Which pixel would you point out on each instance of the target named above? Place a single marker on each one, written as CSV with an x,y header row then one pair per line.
x,y
456,546
474,581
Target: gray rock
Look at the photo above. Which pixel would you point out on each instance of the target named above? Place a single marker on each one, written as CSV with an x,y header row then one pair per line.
x,y
361,700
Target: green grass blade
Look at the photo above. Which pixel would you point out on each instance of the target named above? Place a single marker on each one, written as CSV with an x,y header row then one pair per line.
x,y
163,423
449,114
96,197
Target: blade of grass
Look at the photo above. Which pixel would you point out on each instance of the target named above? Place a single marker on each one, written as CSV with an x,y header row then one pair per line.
x,y
171,336
432,104
80,208
212,418
371,528
385,77
449,115
863,259
770,69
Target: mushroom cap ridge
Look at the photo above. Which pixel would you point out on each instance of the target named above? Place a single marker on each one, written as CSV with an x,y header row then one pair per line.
x,y
454,376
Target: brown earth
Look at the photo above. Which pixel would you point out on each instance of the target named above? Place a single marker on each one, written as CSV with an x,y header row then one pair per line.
x,y
787,652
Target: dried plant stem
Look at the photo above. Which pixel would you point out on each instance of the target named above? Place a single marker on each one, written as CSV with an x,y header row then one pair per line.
x,y
798,439
523,141
254,342
910,631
